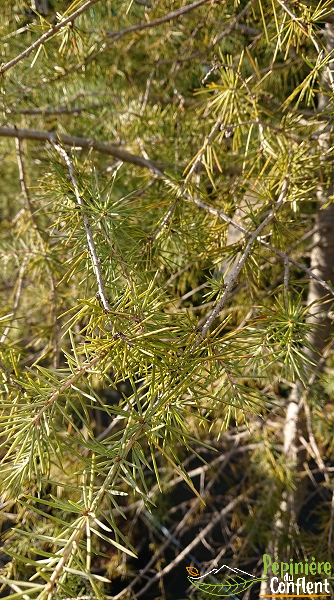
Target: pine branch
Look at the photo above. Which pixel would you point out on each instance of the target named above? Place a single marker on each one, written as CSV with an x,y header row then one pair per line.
x,y
89,235
46,36
72,545
307,31
116,35
66,385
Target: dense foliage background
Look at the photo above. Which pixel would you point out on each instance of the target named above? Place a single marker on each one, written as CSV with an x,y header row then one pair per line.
x,y
167,271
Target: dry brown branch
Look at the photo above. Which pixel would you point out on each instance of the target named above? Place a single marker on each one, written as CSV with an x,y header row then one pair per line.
x,y
224,459
82,142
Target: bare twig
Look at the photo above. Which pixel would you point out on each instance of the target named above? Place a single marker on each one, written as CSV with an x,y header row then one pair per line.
x,y
46,36
82,142
89,235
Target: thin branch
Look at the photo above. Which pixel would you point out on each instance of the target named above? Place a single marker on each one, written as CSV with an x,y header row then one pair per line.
x,y
157,169
39,231
234,22
147,92
169,215
16,301
314,446
89,235
253,237
116,35
220,213
25,191
63,110
55,323
73,543
175,14
207,142
67,384
82,142
164,223
46,36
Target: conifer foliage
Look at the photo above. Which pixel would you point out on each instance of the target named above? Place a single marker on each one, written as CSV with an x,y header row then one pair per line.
x,y
167,273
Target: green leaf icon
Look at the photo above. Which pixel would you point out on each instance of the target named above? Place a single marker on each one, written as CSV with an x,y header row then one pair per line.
x,y
229,587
